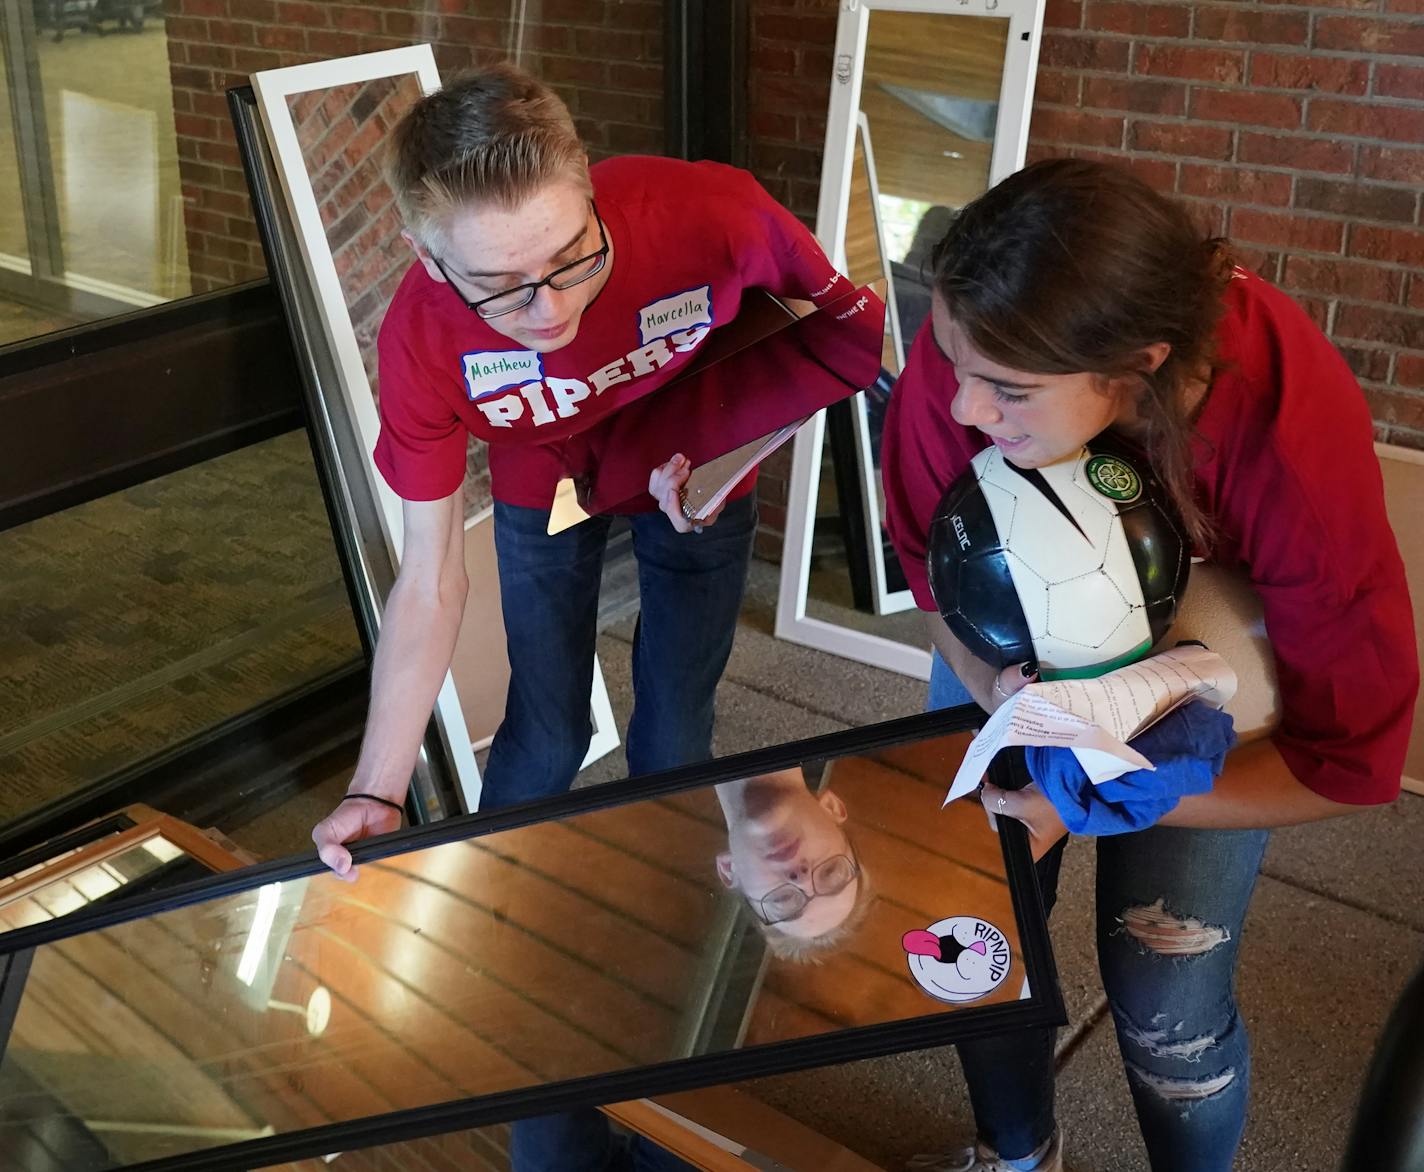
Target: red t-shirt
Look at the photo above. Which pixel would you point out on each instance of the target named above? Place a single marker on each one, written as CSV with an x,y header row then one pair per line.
x,y
1286,470
687,239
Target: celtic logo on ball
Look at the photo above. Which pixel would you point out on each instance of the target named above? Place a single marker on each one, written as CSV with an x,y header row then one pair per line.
x,y
1114,478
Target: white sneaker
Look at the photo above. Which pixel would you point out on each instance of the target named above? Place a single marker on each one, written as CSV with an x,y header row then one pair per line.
x,y
981,1158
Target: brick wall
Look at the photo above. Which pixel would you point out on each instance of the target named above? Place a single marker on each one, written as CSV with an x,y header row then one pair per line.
x,y
789,72
339,130
604,57
1295,129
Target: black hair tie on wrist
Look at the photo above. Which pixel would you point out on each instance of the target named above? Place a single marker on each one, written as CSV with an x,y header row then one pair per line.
x,y
396,806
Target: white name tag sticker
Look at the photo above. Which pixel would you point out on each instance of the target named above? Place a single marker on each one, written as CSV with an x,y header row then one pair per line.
x,y
488,372
677,311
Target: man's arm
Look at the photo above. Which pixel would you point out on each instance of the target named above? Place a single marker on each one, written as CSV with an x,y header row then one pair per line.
x,y
418,631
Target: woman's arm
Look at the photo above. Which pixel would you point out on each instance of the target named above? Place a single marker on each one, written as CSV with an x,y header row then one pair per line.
x,y
1256,789
976,675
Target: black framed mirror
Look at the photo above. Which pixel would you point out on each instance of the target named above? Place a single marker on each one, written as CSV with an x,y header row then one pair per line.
x,y
648,935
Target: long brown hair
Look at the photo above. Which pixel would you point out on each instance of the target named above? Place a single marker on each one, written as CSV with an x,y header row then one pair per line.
x,y
1070,266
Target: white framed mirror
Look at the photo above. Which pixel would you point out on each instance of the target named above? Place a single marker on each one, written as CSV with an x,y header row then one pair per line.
x,y
325,122
929,108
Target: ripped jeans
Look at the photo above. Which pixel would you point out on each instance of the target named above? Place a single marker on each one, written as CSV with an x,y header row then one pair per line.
x,y
1170,904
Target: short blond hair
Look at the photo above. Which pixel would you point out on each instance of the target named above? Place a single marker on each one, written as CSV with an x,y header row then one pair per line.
x,y
494,135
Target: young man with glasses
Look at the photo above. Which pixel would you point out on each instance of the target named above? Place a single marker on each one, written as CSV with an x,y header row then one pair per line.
x,y
546,295
789,856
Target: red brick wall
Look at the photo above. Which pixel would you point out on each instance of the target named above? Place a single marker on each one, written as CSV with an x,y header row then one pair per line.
x,y
339,130
1295,129
788,85
603,56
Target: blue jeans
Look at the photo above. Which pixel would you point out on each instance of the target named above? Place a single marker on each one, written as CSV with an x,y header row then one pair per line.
x,y
691,587
582,1141
1170,905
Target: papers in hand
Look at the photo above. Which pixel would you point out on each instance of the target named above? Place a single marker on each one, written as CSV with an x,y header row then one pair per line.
x,y
708,486
1095,718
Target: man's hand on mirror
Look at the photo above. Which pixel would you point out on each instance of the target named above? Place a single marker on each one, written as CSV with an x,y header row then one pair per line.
x,y
1029,806
666,485
355,818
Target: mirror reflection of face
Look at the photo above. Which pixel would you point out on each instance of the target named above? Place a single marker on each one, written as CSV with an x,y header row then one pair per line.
x,y
779,832
490,249
1033,419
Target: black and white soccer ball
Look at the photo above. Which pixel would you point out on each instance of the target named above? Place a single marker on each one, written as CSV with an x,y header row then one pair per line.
x,y
1079,565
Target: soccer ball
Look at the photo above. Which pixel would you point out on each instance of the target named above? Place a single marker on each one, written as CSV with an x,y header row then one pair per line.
x,y
1079,565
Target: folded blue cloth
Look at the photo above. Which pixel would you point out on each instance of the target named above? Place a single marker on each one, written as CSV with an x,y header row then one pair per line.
x,y
1188,746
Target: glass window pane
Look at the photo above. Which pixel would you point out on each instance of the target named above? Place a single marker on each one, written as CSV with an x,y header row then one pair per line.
x,y
143,619
109,112
14,254
150,203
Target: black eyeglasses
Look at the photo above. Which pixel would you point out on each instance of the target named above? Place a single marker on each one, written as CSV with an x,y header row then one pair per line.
x,y
563,277
788,902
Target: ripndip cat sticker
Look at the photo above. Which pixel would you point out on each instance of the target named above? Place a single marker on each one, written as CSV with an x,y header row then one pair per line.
x,y
959,959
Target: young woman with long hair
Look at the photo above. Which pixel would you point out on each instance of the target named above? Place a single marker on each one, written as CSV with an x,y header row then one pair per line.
x,y
1069,299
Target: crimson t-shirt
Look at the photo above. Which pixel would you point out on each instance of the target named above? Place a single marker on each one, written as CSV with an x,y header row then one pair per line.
x,y
1286,470
687,239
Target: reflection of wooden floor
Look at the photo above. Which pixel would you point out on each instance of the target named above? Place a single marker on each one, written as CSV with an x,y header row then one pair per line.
x,y
551,952
925,864
548,953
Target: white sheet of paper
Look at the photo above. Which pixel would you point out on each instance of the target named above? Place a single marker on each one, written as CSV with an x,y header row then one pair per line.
x,y
1095,718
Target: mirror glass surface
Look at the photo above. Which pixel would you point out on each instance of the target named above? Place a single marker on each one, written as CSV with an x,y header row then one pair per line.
x,y
929,105
599,942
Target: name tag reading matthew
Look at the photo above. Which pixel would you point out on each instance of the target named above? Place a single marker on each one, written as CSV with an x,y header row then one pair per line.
x,y
488,372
